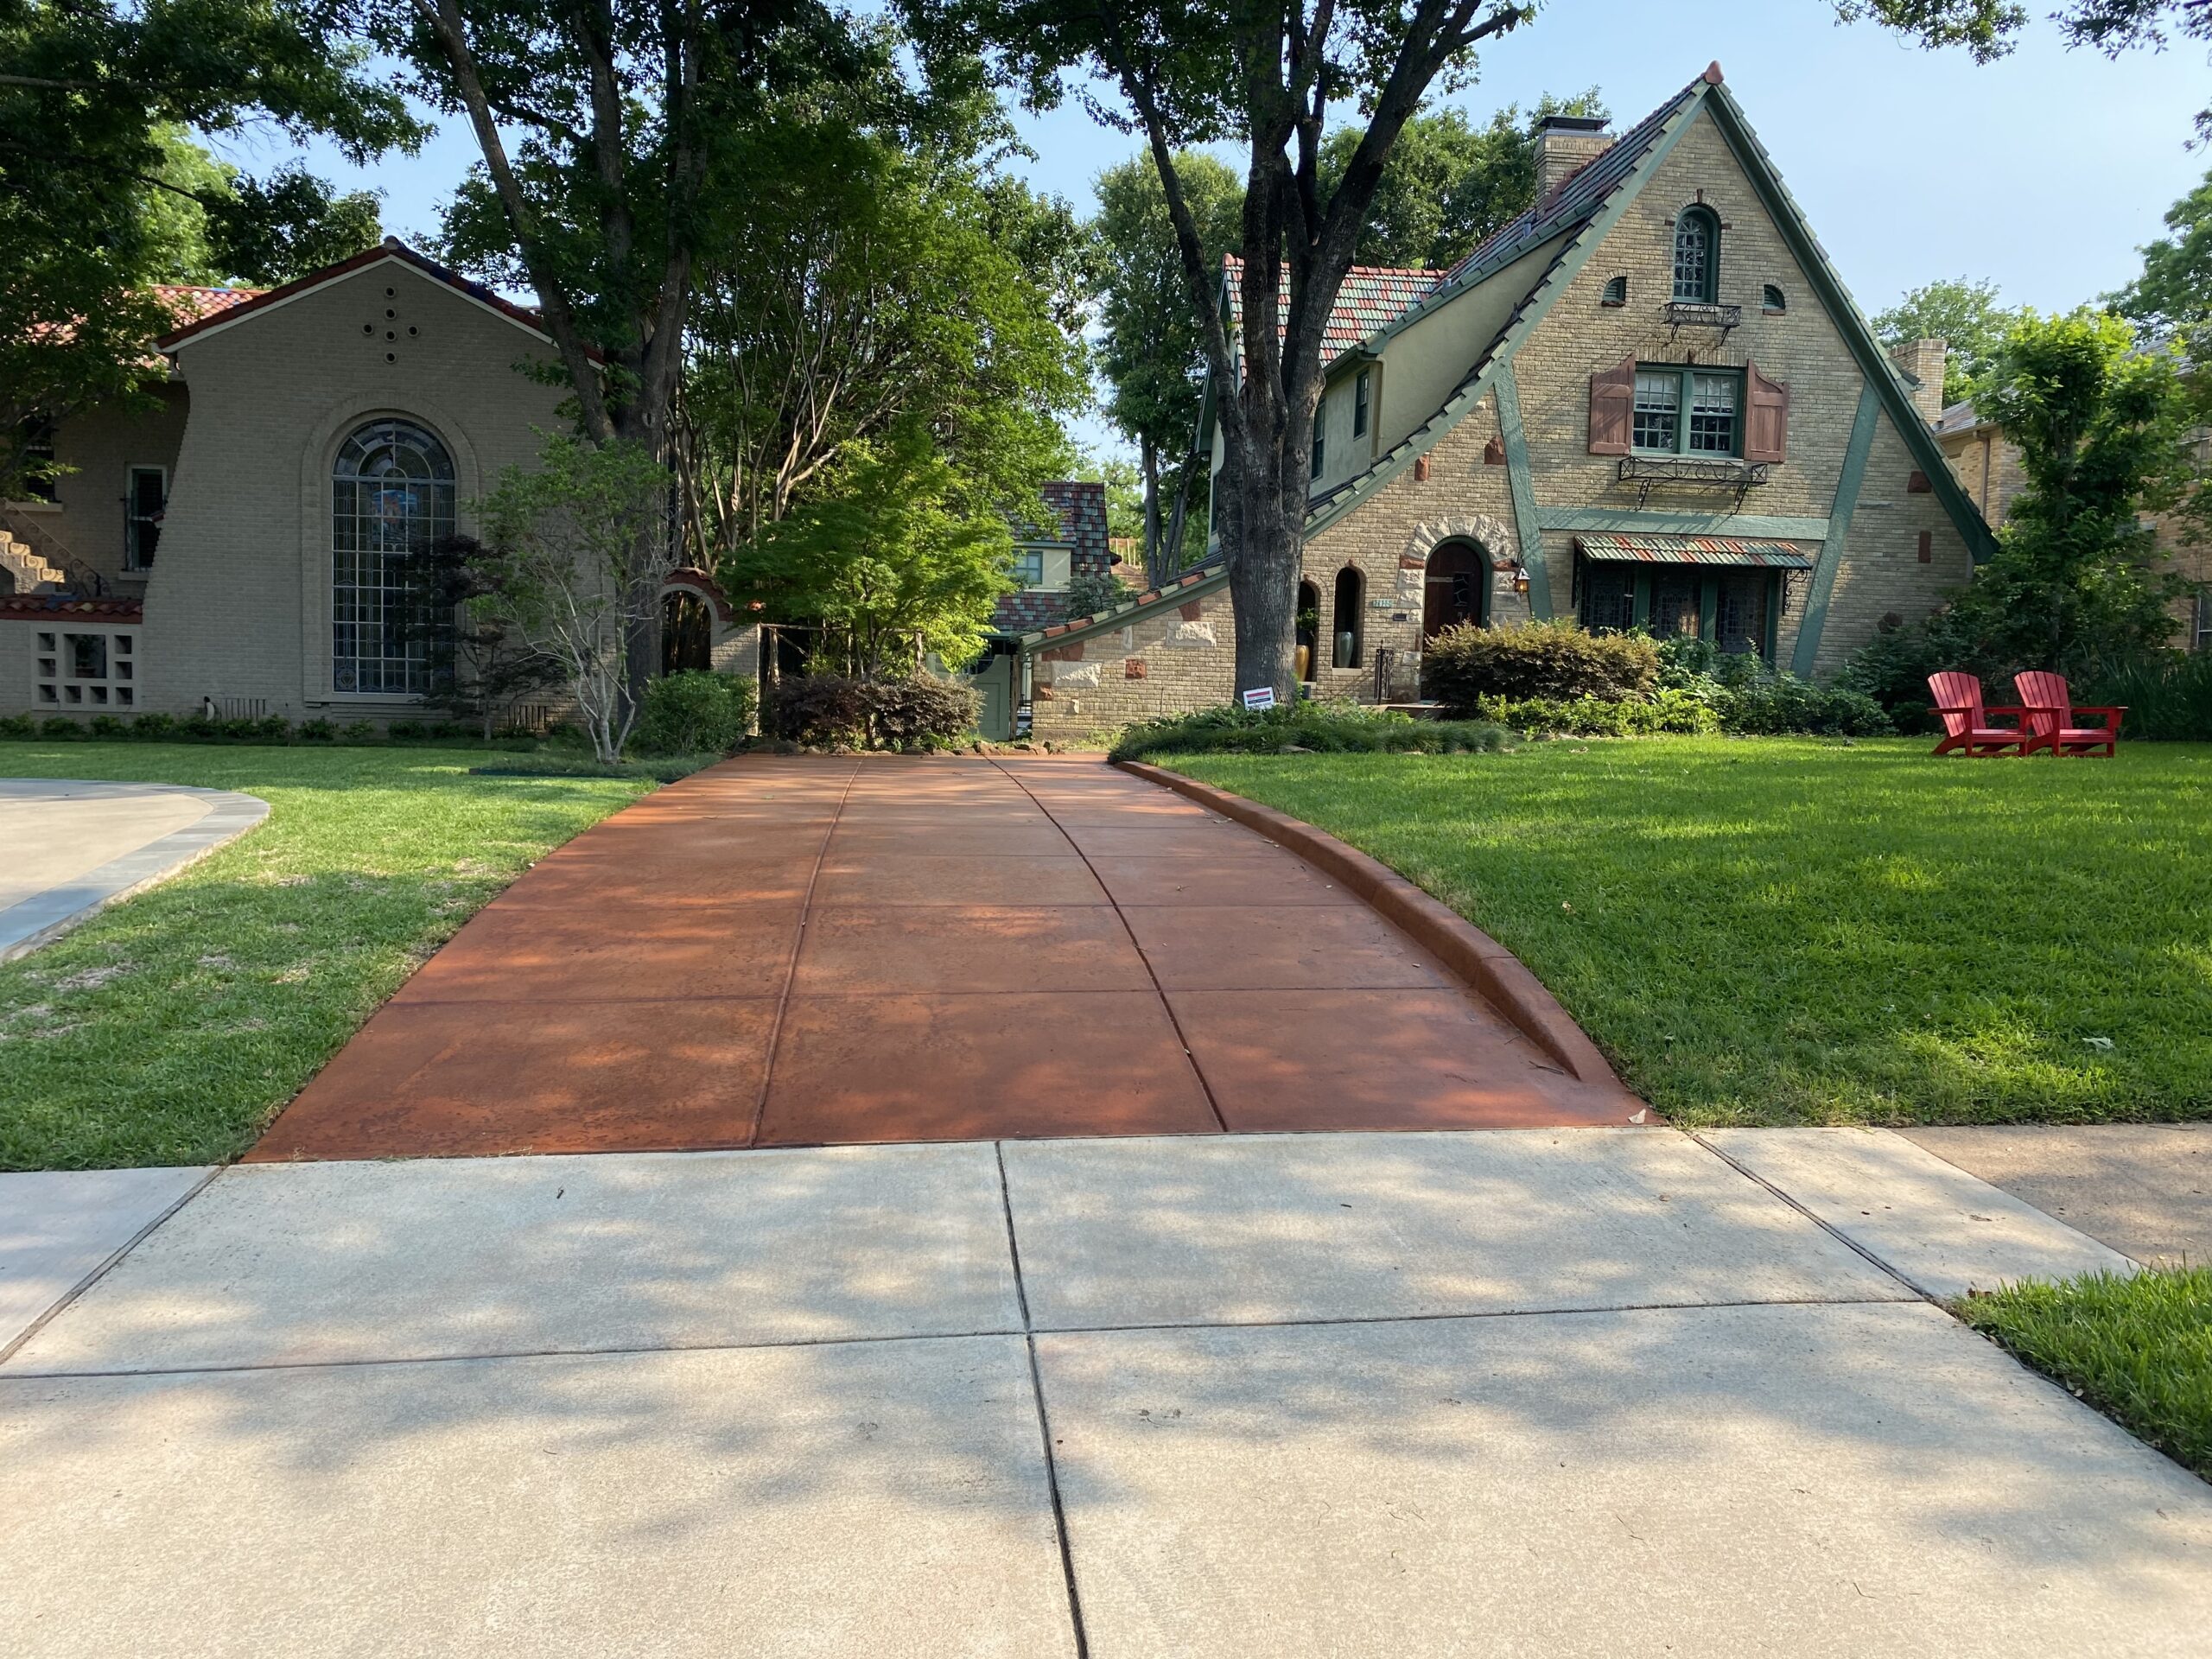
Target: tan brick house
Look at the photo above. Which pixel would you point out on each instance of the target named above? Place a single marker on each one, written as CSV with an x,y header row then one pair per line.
x,y
237,551
1648,401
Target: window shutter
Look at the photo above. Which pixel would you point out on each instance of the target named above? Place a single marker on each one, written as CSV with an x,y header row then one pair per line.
x,y
1613,408
1766,416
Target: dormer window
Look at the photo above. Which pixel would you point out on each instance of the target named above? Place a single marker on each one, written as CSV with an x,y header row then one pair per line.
x,y
1772,301
1697,257
1616,292
1359,396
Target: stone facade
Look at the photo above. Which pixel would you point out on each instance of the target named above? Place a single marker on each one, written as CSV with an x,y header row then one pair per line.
x,y
1175,650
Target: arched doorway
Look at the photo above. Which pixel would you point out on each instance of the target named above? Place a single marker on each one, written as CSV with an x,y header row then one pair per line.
x,y
1309,629
687,632
1456,588
1346,643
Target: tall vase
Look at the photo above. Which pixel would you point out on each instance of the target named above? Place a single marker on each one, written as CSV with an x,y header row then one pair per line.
x,y
1305,662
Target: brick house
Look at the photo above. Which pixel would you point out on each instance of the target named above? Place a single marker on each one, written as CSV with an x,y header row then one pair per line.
x,y
237,549
1987,465
1649,401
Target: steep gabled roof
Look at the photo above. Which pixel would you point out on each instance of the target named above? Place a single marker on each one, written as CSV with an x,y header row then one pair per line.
x,y
258,301
1578,215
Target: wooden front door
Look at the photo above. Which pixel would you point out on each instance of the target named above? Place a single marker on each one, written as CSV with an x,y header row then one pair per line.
x,y
1452,592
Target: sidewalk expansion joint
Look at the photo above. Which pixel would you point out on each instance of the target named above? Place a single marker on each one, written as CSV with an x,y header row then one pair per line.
x,y
1833,1231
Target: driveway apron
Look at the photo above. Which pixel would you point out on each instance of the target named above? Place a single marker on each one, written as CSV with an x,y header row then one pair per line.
x,y
788,950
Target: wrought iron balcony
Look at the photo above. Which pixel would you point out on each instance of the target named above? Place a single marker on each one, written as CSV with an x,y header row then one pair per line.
x,y
1708,472
1696,314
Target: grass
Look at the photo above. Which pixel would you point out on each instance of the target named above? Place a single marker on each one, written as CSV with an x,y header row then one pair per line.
x,y
1787,931
171,1027
2140,1349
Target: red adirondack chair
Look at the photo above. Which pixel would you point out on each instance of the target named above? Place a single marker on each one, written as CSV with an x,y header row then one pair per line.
x,y
2051,717
1966,728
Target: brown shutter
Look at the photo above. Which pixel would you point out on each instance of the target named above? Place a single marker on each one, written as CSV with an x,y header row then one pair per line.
x,y
1613,408
1766,420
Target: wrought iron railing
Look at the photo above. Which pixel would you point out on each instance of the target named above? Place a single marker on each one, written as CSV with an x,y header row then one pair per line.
x,y
1700,313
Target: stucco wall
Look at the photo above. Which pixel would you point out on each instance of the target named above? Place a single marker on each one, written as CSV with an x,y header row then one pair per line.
x,y
239,607
100,447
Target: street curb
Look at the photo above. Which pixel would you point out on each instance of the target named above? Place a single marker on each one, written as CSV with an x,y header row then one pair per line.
x,y
1494,972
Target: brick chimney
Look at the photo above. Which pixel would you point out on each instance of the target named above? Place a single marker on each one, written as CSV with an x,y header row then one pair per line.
x,y
1924,360
1564,142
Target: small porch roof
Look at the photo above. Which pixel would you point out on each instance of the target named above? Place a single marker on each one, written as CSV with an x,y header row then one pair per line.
x,y
1691,549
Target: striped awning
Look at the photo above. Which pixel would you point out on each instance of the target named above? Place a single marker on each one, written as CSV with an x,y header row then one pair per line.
x,y
1691,549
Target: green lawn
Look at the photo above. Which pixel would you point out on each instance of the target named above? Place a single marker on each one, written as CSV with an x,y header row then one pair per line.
x,y
169,1028
1779,931
2138,1350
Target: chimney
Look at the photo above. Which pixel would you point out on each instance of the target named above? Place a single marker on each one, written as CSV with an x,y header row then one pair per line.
x,y
1564,142
1924,360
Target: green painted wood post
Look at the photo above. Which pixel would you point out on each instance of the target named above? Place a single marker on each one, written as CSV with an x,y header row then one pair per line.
x,y
1846,502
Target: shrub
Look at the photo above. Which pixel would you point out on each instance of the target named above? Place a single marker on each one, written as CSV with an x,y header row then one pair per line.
x,y
198,729
107,726
18,726
2168,695
840,711
1775,704
407,731
695,713
154,728
1546,660
358,731
1323,728
318,731
1675,710
60,728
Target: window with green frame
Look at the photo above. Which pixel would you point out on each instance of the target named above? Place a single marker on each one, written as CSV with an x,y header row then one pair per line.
x,y
1697,256
1320,439
1680,411
1029,566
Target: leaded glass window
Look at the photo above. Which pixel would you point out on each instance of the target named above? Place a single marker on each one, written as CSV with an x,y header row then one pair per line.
x,y
1713,414
1740,614
1658,410
392,498
1694,256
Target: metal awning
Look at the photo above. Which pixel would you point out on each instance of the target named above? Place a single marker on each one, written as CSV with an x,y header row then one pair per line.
x,y
1691,549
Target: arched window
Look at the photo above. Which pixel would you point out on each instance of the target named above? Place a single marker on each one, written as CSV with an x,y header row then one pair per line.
x,y
1309,626
1697,256
1350,589
1616,292
1772,299
392,498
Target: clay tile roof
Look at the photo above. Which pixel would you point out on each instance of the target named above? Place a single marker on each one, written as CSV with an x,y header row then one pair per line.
x,y
27,606
190,304
1372,296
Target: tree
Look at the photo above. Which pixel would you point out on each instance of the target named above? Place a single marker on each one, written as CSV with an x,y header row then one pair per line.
x,y
572,551
92,98
1153,354
864,265
1448,184
1963,313
2098,426
897,560
479,661
2173,297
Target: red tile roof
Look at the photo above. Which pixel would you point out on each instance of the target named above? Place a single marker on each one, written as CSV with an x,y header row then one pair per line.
x,y
1372,297
191,304
40,606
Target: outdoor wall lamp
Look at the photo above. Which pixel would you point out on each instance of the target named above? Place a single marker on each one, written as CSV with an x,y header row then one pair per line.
x,y
1520,578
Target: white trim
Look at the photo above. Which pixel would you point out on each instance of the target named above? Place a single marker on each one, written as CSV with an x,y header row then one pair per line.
x,y
248,313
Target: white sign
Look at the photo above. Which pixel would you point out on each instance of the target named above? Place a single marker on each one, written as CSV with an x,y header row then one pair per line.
x,y
1258,698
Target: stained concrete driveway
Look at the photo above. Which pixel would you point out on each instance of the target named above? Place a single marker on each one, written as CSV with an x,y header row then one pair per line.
x,y
1561,1392
804,951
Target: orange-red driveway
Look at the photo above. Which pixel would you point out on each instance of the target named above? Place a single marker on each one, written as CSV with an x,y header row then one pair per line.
x,y
795,950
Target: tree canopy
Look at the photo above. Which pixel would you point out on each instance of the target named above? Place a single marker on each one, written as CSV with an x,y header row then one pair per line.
x,y
1964,313
2173,296
1448,183
98,201
865,263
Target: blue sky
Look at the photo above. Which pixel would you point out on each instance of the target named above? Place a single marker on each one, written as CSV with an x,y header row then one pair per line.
x,y
2043,172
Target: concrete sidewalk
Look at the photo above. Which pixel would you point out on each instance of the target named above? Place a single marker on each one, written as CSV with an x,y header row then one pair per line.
x,y
1558,1391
